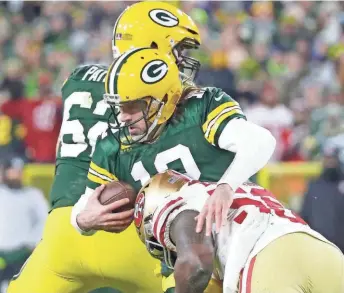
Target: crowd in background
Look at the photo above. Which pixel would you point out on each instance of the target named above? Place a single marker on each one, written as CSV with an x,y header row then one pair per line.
x,y
283,61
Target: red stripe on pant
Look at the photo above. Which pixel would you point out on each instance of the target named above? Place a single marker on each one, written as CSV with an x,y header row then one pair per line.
x,y
249,277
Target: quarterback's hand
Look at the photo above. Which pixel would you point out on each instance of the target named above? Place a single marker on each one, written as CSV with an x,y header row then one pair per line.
x,y
96,216
216,207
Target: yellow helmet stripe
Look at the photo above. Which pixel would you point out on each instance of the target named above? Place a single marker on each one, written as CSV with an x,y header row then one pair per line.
x,y
115,69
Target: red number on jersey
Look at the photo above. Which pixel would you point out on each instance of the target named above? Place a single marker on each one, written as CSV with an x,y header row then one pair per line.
x,y
267,203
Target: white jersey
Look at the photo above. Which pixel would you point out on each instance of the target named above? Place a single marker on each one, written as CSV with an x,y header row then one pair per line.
x,y
255,219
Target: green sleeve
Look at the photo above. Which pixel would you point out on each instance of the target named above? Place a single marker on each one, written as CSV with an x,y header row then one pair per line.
x,y
85,78
101,169
219,109
69,80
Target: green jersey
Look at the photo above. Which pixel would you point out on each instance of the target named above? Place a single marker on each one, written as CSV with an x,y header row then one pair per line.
x,y
85,114
85,117
189,145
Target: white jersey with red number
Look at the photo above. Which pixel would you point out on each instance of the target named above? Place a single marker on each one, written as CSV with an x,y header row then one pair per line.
x,y
256,218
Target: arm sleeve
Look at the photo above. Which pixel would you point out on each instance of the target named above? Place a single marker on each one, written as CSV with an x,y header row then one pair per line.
x,y
253,146
100,172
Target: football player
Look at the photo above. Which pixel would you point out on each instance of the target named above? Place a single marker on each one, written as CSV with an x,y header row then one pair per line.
x,y
263,247
200,132
162,26
65,261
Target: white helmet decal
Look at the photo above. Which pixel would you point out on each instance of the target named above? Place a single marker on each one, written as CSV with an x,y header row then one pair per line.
x,y
154,71
163,17
139,206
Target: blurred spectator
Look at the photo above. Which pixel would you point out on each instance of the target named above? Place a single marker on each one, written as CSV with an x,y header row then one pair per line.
x,y
325,122
23,211
12,134
324,202
287,35
13,82
300,130
263,24
271,114
41,118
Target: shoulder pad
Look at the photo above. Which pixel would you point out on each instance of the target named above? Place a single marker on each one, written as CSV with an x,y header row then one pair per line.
x,y
90,72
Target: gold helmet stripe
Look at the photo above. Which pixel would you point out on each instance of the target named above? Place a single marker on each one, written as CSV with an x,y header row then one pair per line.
x,y
112,76
107,77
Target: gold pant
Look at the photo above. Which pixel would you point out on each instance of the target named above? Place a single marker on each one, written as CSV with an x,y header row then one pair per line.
x,y
296,263
67,262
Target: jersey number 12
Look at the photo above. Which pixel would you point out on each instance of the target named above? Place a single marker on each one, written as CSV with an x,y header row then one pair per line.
x,y
179,152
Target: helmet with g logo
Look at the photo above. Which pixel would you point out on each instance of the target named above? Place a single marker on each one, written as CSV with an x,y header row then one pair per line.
x,y
147,75
154,71
162,26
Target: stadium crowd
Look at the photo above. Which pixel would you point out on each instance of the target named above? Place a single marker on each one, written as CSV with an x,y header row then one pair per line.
x,y
283,61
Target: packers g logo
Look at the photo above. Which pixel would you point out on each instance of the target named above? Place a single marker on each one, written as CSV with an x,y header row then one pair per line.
x,y
138,212
163,17
154,71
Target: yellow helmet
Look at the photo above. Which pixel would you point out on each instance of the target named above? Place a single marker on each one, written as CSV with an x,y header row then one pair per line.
x,y
144,74
158,25
151,195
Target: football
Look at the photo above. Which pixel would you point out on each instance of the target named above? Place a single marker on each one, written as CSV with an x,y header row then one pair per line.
x,y
118,190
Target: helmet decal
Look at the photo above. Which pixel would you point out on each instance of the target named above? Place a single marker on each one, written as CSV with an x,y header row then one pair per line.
x,y
163,17
139,206
154,71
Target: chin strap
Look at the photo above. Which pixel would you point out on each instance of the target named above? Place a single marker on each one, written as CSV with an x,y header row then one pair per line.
x,y
148,136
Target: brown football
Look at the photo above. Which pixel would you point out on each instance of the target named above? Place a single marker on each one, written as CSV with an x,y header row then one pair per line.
x,y
115,191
